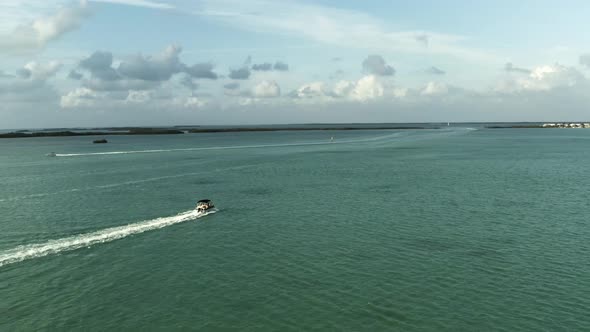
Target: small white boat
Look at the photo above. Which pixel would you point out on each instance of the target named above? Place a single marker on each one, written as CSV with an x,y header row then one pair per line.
x,y
51,154
205,206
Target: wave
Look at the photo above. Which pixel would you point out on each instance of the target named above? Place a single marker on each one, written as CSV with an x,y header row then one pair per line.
x,y
30,251
119,184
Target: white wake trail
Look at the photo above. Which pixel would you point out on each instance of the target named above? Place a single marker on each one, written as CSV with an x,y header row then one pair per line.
x,y
345,141
74,242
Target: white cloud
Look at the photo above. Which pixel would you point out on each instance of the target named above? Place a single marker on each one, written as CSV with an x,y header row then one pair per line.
x,y
400,92
543,78
190,102
368,87
343,88
435,89
41,71
139,3
138,96
332,26
266,89
311,90
31,83
36,34
80,97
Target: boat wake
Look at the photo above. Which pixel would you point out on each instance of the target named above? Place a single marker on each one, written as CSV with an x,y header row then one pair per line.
x,y
74,242
234,147
424,134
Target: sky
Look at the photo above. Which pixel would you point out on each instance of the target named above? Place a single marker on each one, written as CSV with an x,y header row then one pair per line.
x,y
72,63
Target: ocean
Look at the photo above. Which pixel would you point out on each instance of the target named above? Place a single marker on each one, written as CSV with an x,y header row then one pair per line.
x,y
453,229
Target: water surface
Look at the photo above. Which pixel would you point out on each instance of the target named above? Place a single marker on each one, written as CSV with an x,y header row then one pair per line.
x,y
452,229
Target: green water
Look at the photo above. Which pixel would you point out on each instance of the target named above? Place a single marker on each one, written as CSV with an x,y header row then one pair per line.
x,y
440,230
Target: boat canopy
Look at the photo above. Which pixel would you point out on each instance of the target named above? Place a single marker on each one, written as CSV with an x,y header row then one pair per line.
x,y
204,201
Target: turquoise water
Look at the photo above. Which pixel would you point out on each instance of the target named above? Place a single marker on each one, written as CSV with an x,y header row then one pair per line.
x,y
453,229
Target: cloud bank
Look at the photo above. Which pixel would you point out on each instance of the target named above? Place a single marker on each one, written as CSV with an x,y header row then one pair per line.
x,y
35,35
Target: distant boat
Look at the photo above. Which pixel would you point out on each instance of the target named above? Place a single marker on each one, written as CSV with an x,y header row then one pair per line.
x,y
100,141
332,139
51,154
448,124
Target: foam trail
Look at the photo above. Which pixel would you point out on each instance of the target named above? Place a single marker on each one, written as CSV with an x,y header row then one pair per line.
x,y
30,251
228,147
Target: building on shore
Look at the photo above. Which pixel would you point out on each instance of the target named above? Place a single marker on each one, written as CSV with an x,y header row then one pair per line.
x,y
566,125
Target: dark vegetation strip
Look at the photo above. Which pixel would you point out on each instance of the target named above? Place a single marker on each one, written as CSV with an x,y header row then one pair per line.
x,y
159,131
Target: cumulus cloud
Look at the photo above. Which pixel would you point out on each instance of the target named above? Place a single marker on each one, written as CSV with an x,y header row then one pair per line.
x,y
281,66
343,89
310,90
585,60
156,68
138,96
31,83
74,75
78,97
435,71
435,89
232,86
190,102
262,67
266,89
239,74
376,65
267,66
368,87
544,78
99,65
400,93
38,33
509,67
141,72
549,77
189,83
41,71
233,89
201,70
36,71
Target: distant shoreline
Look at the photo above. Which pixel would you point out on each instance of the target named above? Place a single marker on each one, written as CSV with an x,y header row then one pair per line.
x,y
68,133
163,131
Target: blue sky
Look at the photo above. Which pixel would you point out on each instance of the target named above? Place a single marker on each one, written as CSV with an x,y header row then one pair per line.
x,y
158,62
